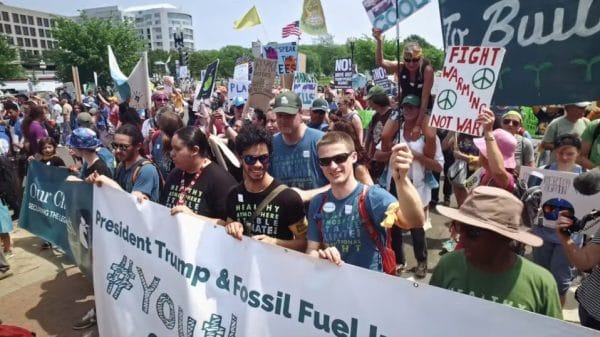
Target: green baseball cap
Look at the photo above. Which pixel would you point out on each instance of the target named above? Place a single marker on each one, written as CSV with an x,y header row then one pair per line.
x,y
287,102
411,100
375,91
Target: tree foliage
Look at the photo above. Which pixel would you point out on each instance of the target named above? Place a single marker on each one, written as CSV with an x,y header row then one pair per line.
x,y
83,44
9,66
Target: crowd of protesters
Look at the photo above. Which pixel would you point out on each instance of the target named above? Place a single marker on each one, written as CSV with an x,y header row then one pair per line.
x,y
327,182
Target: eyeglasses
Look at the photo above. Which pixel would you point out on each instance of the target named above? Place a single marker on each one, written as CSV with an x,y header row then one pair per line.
x,y
512,122
120,147
469,231
415,60
161,99
251,160
338,159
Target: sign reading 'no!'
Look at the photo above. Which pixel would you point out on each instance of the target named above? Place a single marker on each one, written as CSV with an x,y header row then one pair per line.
x,y
466,87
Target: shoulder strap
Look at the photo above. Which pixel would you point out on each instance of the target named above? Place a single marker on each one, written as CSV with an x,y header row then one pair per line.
x,y
136,170
320,217
274,193
369,226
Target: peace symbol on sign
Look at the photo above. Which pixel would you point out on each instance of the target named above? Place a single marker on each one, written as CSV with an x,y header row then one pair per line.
x,y
446,99
483,78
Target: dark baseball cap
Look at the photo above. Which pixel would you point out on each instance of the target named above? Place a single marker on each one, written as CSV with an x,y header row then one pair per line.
x,y
287,102
320,104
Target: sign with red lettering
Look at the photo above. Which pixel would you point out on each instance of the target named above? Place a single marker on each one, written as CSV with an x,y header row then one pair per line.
x,y
465,87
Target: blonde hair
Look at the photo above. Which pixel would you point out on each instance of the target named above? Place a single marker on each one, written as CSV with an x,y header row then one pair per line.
x,y
337,137
413,49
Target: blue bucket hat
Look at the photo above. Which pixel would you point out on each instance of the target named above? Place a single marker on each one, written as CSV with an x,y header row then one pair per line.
x,y
83,138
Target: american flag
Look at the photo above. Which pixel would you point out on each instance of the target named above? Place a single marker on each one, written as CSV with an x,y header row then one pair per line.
x,y
291,29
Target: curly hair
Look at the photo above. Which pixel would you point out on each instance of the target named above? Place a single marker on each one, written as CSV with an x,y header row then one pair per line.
x,y
9,184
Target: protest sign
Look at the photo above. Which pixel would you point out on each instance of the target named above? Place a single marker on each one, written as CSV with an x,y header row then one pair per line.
x,y
286,81
466,87
551,46
286,55
241,71
161,275
238,88
263,78
58,211
558,194
139,84
305,86
380,78
208,81
382,13
342,75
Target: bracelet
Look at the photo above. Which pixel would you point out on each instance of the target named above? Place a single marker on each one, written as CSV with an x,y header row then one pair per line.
x,y
490,139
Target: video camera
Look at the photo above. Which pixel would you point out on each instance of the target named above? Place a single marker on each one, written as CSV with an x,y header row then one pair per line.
x,y
579,225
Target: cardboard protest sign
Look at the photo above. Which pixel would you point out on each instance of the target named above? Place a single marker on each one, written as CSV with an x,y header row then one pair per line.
x,y
382,13
552,47
286,81
161,275
466,87
208,80
286,55
558,194
241,71
238,88
342,75
380,78
263,79
305,86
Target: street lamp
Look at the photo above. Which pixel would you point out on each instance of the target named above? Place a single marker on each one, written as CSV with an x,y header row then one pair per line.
x,y
43,66
352,40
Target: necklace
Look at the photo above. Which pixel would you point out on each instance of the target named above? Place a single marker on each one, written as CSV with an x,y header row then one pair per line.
x,y
183,189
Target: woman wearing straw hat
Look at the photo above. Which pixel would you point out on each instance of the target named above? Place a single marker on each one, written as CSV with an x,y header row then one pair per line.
x,y
487,267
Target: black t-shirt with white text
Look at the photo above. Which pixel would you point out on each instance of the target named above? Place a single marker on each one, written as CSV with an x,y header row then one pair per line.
x,y
208,195
284,211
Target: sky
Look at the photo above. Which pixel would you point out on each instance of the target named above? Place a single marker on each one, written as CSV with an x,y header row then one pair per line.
x,y
213,20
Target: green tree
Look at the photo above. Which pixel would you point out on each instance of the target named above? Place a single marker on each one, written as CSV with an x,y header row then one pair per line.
x,y
9,66
84,45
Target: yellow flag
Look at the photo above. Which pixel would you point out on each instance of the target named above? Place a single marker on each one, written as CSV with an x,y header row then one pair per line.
x,y
313,20
250,19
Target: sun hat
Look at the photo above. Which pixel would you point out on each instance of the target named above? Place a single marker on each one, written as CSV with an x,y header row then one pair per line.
x,y
83,138
507,143
513,113
496,210
287,102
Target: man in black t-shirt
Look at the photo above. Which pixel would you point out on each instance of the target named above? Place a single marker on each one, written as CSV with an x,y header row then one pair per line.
x,y
281,220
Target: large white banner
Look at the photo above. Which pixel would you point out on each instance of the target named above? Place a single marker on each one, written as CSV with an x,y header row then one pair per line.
x,y
159,275
466,87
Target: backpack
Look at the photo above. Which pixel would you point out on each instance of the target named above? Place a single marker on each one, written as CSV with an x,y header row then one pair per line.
x,y
532,199
136,172
108,158
388,257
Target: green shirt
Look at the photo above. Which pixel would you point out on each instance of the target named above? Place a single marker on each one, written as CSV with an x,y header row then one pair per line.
x,y
524,286
587,136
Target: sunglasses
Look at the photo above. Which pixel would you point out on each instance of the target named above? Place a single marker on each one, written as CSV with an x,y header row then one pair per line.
x,y
120,147
251,160
415,60
468,231
161,100
511,122
338,159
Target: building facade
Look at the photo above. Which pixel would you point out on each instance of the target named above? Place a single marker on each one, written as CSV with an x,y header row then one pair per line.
x,y
28,30
156,23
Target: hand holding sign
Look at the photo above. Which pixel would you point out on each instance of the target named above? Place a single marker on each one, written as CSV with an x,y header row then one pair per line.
x,y
486,120
377,34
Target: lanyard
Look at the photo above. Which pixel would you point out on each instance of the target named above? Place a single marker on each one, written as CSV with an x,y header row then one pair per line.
x,y
184,190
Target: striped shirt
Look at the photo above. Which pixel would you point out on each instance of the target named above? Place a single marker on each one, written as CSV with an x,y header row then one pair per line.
x,y
588,294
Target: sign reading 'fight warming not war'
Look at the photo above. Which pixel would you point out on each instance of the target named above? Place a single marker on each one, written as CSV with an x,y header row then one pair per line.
x,y
466,87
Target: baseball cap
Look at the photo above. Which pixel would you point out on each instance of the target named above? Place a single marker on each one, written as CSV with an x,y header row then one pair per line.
x,y
375,91
507,143
480,209
239,101
411,100
320,104
84,119
287,102
581,105
83,138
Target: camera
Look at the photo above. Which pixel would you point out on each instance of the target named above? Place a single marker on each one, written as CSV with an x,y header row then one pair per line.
x,y
579,225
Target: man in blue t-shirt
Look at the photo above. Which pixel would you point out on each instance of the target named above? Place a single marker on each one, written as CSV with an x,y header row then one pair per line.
x,y
335,229
294,161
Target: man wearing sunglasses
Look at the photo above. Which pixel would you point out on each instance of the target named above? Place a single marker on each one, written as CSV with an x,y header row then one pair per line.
x,y
336,229
512,122
261,206
488,221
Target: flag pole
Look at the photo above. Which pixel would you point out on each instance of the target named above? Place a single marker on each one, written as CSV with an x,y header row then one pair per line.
x,y
398,52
